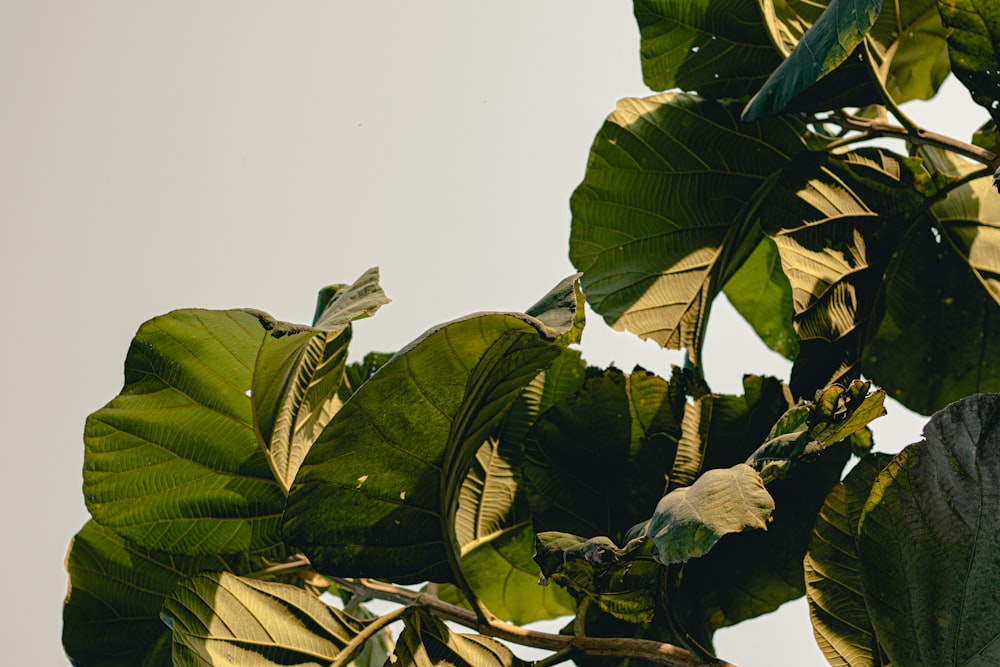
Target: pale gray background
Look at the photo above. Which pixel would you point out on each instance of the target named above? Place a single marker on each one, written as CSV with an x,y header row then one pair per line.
x,y
158,155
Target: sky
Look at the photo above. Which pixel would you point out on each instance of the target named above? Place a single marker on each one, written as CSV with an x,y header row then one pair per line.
x,y
162,155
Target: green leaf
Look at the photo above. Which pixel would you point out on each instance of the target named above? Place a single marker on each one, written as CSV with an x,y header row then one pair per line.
x,y
662,218
111,616
934,344
833,572
716,47
689,521
911,37
219,618
760,292
426,642
621,582
974,46
836,221
828,43
493,522
929,539
378,493
299,370
752,573
596,462
357,373
173,463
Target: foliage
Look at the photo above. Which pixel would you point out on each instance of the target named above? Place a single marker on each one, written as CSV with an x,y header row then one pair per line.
x,y
247,474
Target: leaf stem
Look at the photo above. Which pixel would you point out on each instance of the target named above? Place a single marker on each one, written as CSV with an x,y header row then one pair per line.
x,y
878,79
644,649
877,128
358,642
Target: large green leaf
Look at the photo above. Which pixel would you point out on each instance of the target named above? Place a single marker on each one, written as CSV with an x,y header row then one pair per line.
x,y
662,218
929,539
718,48
111,617
824,47
833,572
173,462
299,370
378,493
836,221
760,292
220,618
974,45
596,463
428,642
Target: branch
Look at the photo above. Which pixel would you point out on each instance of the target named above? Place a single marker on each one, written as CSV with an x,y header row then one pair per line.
x,y
644,649
875,127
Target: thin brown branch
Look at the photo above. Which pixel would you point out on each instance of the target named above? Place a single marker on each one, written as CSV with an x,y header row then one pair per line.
x,y
879,128
644,649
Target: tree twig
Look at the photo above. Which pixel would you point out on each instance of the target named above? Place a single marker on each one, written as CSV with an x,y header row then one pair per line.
x,y
663,654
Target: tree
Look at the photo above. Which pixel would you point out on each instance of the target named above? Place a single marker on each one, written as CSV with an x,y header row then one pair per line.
x,y
246,466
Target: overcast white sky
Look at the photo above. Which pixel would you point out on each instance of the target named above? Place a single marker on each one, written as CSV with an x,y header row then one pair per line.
x,y
160,155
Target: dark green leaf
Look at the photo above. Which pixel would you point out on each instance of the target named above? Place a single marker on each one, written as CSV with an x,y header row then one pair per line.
x,y
718,48
357,374
828,43
111,617
427,642
596,462
760,292
974,46
833,572
836,221
662,218
929,540
173,462
378,493
299,371
220,618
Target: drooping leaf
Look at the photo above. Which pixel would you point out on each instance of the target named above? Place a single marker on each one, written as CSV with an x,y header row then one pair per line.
x,y
760,292
299,371
752,573
833,572
493,522
974,46
929,540
621,582
689,521
220,618
111,616
173,463
426,642
828,43
718,48
596,462
661,220
837,221
378,493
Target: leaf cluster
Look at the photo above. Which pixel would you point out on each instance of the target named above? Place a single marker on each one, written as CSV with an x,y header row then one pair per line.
x,y
247,475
